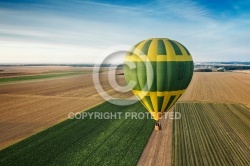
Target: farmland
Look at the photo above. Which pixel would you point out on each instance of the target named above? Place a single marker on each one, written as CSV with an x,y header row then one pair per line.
x,y
85,141
226,87
14,71
211,134
38,76
34,105
31,106
221,88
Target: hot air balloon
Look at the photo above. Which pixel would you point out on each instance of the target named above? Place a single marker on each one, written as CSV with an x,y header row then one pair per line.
x,y
160,70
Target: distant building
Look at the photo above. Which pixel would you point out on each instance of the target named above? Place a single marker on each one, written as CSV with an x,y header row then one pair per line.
x,y
202,70
221,69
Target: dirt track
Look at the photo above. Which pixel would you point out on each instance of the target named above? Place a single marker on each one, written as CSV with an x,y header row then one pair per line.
x,y
159,148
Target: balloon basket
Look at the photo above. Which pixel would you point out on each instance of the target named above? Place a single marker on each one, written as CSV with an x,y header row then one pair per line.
x,y
157,126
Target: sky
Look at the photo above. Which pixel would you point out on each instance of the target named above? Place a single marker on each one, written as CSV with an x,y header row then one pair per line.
x,y
79,31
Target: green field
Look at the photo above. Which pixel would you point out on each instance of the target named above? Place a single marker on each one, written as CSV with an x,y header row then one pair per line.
x,y
211,134
85,141
39,76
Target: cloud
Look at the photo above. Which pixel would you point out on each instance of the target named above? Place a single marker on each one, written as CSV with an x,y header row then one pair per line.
x,y
79,32
189,10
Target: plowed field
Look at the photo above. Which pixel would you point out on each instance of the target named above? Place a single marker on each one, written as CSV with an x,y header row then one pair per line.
x,y
228,87
29,107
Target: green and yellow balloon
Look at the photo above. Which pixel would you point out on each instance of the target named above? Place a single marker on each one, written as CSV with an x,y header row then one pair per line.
x,y
160,70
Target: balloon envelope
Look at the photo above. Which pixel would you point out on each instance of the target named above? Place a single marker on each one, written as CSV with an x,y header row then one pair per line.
x,y
160,70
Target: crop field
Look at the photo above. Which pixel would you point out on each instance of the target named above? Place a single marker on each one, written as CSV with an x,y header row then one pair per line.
x,y
229,87
38,76
224,88
211,134
85,141
31,106
14,71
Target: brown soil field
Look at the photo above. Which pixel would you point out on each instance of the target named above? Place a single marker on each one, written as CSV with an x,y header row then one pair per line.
x,y
227,87
242,71
13,71
29,107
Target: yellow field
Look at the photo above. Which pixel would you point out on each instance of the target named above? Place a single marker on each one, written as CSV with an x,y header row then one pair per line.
x,y
229,87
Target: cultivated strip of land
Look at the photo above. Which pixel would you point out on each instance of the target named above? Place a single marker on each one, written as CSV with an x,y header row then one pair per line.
x,y
39,76
29,107
228,87
211,134
88,141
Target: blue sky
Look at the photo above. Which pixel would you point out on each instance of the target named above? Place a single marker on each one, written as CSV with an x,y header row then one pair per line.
x,y
78,31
